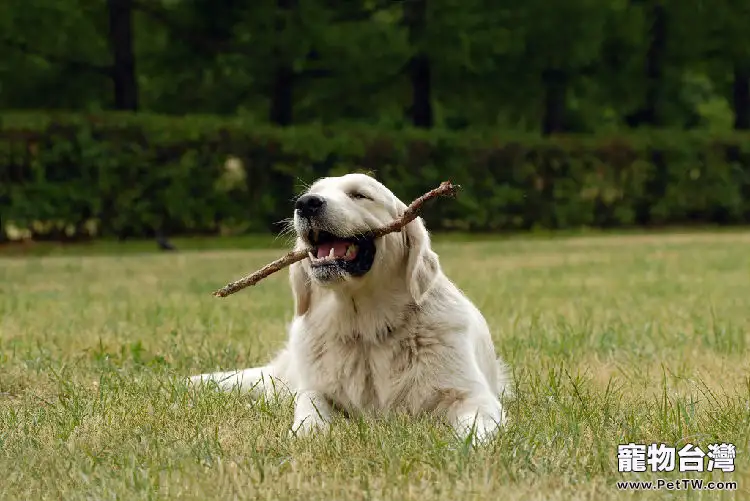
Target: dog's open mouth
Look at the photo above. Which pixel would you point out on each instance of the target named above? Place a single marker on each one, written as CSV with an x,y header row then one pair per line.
x,y
329,248
354,255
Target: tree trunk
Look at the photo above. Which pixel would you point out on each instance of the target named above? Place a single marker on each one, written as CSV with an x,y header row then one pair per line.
x,y
419,67
281,111
282,104
741,96
555,101
282,91
121,44
282,95
649,114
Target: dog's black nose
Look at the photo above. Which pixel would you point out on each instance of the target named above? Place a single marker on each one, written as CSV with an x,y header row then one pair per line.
x,y
309,205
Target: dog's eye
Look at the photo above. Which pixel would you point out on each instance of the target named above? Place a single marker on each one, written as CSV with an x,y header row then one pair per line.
x,y
359,196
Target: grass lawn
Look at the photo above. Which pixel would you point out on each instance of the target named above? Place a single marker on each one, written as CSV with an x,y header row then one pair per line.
x,y
612,339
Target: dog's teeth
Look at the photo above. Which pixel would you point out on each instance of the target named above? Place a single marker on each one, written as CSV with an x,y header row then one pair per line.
x,y
312,258
350,250
330,254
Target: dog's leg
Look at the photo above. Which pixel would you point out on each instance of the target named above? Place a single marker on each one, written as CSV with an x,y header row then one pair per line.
x,y
312,412
270,380
480,414
256,381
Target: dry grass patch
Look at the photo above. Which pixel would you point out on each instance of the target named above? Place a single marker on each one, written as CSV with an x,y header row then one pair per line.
x,y
611,339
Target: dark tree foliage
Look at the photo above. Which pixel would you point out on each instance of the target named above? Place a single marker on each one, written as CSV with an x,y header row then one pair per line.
x,y
555,114
531,65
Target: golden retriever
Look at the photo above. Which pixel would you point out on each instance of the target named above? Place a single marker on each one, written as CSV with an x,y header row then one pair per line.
x,y
377,325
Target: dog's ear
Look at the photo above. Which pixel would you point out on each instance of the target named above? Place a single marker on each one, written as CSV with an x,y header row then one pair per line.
x,y
301,289
422,266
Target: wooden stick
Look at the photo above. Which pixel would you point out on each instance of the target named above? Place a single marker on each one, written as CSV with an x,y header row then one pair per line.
x,y
445,189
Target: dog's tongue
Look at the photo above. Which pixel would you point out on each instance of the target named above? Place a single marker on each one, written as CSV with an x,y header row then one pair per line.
x,y
339,249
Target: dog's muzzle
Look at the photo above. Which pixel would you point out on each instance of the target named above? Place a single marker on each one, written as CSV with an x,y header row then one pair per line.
x,y
332,255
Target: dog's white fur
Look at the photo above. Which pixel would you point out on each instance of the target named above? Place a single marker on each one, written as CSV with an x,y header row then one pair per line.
x,y
401,338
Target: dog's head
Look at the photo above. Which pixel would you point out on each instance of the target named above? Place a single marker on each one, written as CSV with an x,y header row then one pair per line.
x,y
333,218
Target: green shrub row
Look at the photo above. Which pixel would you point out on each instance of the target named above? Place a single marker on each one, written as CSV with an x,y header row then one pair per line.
x,y
66,176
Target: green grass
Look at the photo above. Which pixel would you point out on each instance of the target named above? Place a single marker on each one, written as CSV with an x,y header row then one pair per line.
x,y
612,339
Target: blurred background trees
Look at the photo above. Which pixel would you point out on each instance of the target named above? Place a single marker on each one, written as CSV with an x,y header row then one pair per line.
x,y
124,115
526,65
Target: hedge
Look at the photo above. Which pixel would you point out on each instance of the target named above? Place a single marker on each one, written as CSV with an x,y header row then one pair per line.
x,y
114,174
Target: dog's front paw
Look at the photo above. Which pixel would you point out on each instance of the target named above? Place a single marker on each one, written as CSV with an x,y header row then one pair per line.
x,y
307,426
482,428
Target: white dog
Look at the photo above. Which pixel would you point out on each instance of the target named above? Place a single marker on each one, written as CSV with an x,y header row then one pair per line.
x,y
378,327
